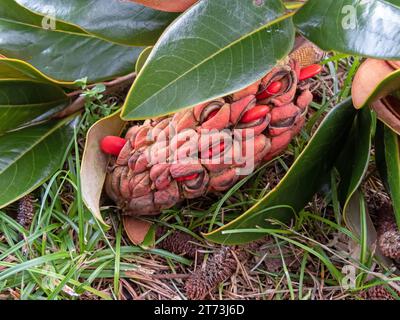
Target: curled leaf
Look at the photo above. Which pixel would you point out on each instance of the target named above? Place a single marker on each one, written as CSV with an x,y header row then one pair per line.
x,y
388,111
375,79
94,162
387,145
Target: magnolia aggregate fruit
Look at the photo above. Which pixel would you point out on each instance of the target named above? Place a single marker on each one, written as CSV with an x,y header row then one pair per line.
x,y
210,147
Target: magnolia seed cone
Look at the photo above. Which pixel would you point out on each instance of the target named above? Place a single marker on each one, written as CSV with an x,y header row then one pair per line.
x,y
201,150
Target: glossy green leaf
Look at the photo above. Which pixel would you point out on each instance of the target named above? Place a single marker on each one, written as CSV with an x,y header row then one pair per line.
x,y
142,59
352,166
354,159
387,147
29,156
213,49
60,54
12,11
22,101
117,21
301,182
369,28
18,69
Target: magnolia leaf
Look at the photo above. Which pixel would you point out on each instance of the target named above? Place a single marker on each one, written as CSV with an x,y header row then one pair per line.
x,y
359,221
374,79
204,55
353,161
60,54
31,155
11,10
369,28
387,147
142,59
352,166
136,229
18,69
301,182
117,21
94,162
167,5
21,101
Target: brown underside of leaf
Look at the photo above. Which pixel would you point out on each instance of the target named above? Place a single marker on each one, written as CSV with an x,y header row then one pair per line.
x,y
136,229
167,5
94,162
370,74
395,64
388,111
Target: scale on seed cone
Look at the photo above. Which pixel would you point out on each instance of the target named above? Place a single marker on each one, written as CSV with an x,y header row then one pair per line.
x,y
207,148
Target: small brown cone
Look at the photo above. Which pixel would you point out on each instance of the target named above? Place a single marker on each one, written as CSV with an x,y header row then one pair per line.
x,y
377,293
219,268
388,233
179,243
26,211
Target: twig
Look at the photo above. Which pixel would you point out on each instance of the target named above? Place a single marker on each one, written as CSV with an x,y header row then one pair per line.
x,y
111,87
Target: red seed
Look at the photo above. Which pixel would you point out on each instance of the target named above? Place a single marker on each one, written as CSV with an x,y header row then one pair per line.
x,y
272,89
112,145
187,178
310,71
255,113
211,150
212,114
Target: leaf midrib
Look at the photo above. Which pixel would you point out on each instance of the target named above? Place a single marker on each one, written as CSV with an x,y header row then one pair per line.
x,y
33,105
87,35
